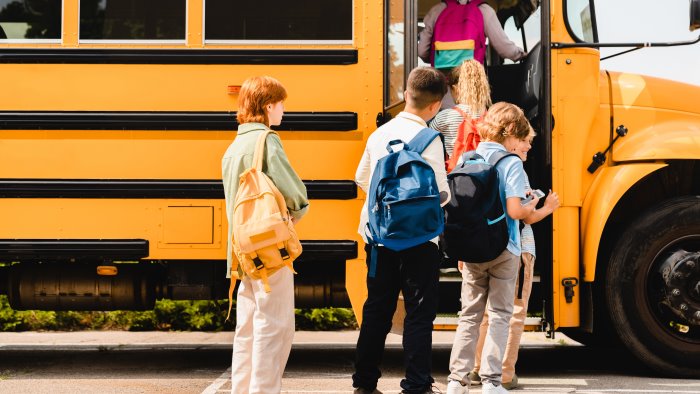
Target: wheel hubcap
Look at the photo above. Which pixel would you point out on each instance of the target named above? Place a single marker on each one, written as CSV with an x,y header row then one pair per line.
x,y
696,291
678,293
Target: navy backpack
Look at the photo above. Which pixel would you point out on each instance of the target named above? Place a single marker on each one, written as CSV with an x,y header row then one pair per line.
x,y
476,230
404,200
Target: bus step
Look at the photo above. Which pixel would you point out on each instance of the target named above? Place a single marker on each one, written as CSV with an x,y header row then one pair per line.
x,y
449,323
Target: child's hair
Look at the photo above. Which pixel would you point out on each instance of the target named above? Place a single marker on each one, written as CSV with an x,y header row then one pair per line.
x,y
255,94
472,86
425,86
503,120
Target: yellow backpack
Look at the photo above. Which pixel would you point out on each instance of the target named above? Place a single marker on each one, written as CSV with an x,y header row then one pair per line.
x,y
264,239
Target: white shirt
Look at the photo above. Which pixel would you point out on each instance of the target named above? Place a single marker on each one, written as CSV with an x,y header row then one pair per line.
x,y
403,127
527,236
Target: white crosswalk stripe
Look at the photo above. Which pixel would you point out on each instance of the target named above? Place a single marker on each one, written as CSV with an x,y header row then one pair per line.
x,y
220,381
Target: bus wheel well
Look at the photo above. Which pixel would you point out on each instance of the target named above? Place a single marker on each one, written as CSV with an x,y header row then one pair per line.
x,y
652,287
679,178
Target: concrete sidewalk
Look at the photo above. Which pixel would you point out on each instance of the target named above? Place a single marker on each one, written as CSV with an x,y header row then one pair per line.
x,y
125,340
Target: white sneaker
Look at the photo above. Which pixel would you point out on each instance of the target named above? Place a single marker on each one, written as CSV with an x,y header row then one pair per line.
x,y
490,388
455,387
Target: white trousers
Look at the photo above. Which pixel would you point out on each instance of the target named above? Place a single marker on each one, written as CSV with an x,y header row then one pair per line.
x,y
264,334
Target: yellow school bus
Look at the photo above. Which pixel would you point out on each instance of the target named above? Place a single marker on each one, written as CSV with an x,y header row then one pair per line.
x,y
114,115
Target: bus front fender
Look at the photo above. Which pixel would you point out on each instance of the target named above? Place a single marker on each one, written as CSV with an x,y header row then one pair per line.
x,y
660,142
605,192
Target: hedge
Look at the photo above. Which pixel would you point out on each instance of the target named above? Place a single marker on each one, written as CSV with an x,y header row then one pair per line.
x,y
168,315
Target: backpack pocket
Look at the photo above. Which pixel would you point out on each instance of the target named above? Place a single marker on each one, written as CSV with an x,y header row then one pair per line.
x,y
408,218
262,233
478,243
449,54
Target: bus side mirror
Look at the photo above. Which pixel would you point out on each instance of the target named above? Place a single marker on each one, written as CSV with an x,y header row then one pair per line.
x,y
694,15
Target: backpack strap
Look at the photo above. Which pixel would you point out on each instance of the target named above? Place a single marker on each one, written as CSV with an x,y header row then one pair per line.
x,y
259,153
422,140
234,279
499,155
232,286
390,145
472,155
464,114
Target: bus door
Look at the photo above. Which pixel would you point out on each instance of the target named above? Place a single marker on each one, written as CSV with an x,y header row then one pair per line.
x,y
525,84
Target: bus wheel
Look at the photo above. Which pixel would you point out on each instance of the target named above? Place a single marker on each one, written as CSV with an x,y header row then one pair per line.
x,y
653,287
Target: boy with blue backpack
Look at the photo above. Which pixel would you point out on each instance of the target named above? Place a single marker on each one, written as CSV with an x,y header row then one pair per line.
x,y
402,170
492,279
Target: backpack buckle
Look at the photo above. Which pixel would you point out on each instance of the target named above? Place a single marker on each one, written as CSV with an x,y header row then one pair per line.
x,y
258,263
283,252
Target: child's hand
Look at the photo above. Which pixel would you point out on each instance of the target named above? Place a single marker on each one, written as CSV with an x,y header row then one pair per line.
x,y
534,199
552,201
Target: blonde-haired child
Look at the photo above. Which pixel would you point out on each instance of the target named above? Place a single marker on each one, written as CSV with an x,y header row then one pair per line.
x,y
503,128
523,284
470,87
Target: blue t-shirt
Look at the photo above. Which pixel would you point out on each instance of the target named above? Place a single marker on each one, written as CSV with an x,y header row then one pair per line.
x,y
512,180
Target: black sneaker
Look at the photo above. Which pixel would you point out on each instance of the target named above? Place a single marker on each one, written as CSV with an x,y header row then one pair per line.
x,y
360,390
430,390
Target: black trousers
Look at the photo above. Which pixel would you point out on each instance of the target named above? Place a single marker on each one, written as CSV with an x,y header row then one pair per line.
x,y
415,272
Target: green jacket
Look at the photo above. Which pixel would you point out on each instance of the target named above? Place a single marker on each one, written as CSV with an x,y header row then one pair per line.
x,y
239,157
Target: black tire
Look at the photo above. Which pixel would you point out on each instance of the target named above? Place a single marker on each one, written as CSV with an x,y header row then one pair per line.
x,y
648,319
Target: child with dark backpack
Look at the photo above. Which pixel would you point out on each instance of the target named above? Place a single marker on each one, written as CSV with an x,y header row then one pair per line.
x,y
491,284
402,171
523,285
470,87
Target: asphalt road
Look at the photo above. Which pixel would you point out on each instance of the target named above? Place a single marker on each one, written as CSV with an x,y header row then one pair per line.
x,y
58,363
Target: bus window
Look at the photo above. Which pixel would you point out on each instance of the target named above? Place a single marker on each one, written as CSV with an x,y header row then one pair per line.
x,y
532,30
278,20
132,20
527,36
395,71
30,20
579,19
514,34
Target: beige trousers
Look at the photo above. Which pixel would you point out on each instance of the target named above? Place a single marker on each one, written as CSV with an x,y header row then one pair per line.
x,y
517,322
493,281
264,334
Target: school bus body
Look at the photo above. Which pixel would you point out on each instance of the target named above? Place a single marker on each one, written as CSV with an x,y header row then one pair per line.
x,y
667,127
110,154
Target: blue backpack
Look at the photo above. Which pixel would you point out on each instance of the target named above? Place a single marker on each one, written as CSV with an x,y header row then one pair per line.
x,y
404,200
